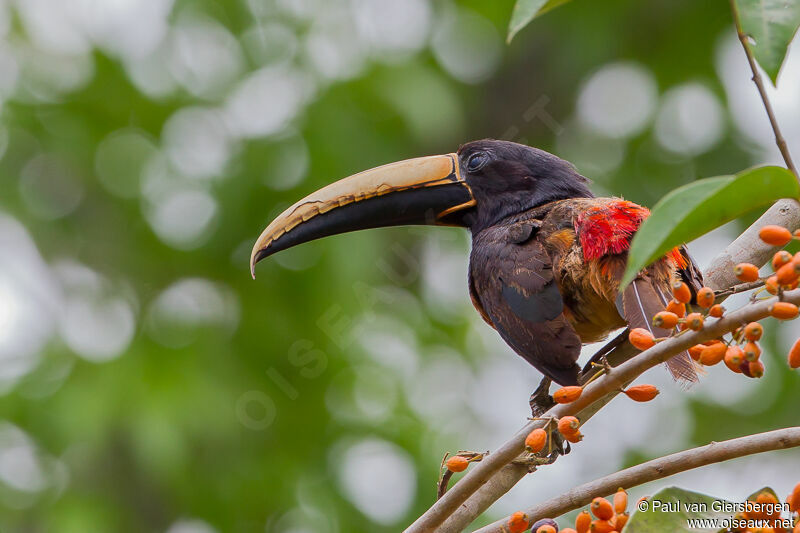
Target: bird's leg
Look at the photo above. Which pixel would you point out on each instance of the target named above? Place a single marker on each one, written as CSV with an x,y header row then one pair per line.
x,y
541,400
561,446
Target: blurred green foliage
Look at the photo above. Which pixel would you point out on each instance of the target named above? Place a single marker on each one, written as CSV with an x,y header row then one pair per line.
x,y
168,390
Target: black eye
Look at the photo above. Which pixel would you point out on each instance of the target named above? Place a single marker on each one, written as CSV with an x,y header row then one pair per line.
x,y
477,160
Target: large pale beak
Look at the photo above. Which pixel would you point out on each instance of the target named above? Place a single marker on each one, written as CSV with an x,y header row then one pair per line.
x,y
425,190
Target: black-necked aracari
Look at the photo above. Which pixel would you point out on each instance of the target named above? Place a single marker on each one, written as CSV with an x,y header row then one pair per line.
x,y
547,255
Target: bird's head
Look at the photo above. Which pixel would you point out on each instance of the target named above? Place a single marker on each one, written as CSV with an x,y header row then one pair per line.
x,y
507,178
484,182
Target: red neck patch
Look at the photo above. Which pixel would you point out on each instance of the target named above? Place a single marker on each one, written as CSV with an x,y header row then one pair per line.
x,y
607,228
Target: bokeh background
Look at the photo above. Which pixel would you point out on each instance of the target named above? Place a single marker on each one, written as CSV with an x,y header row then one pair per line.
x,y
148,384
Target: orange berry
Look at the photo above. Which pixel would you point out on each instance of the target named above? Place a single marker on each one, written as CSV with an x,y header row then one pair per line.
x,y
567,530
620,501
665,320
794,499
696,350
641,338
694,321
641,393
681,292
711,355
734,356
620,520
788,273
794,359
518,522
705,297
536,440
746,272
756,369
753,331
771,284
780,258
547,528
602,509
602,526
583,522
751,351
574,438
783,310
765,498
676,307
457,463
567,394
568,425
716,311
775,235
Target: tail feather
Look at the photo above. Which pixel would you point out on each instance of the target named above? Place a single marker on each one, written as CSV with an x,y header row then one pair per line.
x,y
640,302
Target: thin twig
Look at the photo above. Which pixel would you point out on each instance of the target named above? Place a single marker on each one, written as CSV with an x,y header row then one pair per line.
x,y
736,289
442,488
594,397
779,140
666,466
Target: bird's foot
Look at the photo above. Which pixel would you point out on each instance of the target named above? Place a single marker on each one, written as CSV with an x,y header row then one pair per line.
x,y
560,445
556,446
541,400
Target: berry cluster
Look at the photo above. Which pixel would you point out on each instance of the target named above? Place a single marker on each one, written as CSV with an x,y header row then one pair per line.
x,y
569,426
741,354
606,517
762,514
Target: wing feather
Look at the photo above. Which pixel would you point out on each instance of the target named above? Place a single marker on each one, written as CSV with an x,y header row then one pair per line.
x,y
515,287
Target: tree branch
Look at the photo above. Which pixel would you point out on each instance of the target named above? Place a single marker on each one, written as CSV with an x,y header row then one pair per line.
x,y
594,397
744,39
748,248
662,467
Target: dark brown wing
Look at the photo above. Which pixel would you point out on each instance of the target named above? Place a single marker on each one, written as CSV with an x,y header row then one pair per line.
x,y
511,276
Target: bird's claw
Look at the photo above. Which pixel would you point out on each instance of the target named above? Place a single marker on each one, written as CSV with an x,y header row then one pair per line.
x,y
540,401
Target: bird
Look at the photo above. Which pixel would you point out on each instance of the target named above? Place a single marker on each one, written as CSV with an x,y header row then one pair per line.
x,y
547,255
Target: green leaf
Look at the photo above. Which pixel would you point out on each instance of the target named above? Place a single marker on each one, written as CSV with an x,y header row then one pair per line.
x,y
771,24
695,209
669,509
527,10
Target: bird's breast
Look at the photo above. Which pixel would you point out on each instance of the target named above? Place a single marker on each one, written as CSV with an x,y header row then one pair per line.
x,y
589,289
